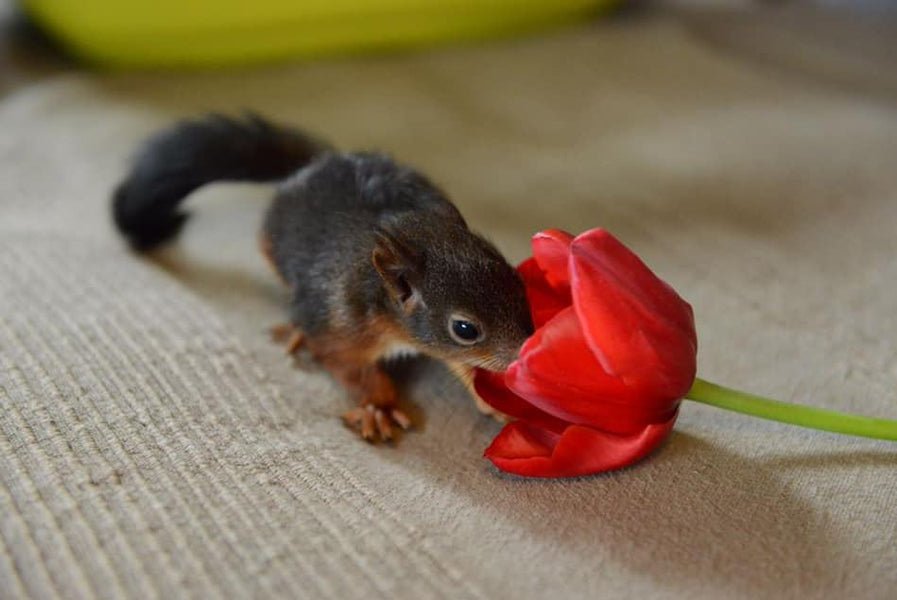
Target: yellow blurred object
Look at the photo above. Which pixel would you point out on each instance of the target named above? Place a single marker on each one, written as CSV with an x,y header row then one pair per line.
x,y
192,33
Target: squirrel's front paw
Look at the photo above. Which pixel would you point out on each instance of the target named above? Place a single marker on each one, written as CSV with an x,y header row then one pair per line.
x,y
378,410
375,421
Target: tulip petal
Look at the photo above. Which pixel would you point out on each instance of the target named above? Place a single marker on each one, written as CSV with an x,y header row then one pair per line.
x,y
520,441
491,387
551,250
557,373
544,301
557,356
524,449
637,326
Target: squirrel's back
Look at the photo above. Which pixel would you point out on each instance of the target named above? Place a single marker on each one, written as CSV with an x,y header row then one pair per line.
x,y
325,219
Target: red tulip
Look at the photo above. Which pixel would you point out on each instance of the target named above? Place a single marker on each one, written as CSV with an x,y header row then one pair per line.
x,y
598,386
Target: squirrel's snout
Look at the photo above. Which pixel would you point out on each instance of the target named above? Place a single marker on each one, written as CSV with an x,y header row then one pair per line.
x,y
500,361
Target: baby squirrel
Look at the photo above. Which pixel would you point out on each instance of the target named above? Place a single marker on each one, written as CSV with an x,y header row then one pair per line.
x,y
377,260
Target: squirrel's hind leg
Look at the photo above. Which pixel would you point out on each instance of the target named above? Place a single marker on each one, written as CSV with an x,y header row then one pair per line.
x,y
290,335
266,247
282,333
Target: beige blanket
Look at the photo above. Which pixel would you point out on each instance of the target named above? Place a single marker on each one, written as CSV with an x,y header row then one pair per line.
x,y
154,444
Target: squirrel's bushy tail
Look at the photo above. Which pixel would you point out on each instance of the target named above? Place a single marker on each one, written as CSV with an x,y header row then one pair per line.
x,y
177,161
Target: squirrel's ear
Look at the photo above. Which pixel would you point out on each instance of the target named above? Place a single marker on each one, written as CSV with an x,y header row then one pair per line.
x,y
397,265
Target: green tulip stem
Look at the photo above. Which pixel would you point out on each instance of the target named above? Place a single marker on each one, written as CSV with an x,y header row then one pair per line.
x,y
803,416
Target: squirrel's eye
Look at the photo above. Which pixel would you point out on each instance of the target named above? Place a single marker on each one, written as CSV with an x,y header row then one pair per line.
x,y
464,332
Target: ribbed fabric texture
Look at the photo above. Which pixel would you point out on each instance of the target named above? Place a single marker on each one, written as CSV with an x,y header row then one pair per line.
x,y
145,454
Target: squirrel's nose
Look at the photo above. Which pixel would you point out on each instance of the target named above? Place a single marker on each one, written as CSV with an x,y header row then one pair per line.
x,y
509,356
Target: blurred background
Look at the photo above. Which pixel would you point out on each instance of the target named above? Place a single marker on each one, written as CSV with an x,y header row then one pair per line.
x,y
38,34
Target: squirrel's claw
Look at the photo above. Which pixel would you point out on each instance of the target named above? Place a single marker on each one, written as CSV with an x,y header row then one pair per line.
x,y
383,425
376,421
289,334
